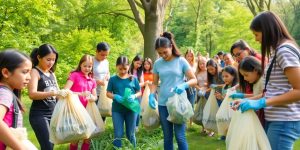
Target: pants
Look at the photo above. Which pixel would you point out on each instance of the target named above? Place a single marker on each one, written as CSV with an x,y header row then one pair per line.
x,y
191,93
168,128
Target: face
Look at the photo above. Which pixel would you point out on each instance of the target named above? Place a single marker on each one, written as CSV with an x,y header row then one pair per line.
x,y
47,62
250,77
257,35
20,77
189,57
211,70
122,69
227,78
101,55
86,67
147,65
165,53
239,54
202,65
228,60
137,64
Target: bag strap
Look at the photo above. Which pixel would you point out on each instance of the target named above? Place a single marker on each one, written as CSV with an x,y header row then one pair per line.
x,y
272,63
15,107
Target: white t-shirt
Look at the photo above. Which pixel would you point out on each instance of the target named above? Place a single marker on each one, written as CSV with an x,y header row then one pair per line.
x,y
100,70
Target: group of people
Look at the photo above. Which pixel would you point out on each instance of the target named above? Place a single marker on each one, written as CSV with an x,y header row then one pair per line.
x,y
266,83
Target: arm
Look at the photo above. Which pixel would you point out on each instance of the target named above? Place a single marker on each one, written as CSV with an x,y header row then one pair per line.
x,y
155,83
68,86
110,95
191,78
32,88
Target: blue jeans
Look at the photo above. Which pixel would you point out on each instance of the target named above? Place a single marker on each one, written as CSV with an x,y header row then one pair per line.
x,y
282,134
118,122
167,128
191,92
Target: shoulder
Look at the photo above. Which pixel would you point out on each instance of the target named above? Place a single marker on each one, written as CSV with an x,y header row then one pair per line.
x,y
6,96
34,73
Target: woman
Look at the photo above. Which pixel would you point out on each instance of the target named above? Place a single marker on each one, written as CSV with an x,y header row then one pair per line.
x,y
240,49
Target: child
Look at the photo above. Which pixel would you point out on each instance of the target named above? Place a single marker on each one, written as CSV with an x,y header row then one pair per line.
x,y
15,74
147,71
80,81
43,89
120,114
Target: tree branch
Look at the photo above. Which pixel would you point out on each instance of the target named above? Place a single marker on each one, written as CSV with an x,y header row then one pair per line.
x,y
139,4
146,5
251,7
137,16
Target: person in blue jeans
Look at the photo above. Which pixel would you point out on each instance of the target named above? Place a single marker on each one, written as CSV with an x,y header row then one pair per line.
x,y
120,114
281,99
170,69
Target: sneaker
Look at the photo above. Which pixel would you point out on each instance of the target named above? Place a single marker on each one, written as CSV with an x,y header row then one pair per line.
x,y
222,138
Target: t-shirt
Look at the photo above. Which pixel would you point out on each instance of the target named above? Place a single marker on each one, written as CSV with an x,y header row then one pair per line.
x,y
258,87
100,70
171,73
202,79
278,84
117,85
148,76
82,83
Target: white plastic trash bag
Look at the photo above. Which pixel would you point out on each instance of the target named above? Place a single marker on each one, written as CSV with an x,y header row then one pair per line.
x,y
145,100
70,121
198,113
150,119
209,113
224,114
21,134
104,103
96,117
179,108
246,133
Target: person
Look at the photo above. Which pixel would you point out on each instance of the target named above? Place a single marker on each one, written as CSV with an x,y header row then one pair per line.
x,y
147,71
15,70
81,82
241,49
101,67
120,114
221,56
170,69
229,61
214,77
282,86
43,91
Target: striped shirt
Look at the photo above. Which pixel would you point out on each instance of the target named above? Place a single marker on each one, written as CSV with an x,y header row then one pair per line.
x,y
279,84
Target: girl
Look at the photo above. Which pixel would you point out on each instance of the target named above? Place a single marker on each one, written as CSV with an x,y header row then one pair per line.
x,y
229,60
15,74
214,77
147,71
241,49
43,90
120,114
282,86
81,82
170,69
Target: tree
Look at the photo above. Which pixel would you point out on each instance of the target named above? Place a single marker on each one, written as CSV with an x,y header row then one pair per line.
x,y
257,6
152,25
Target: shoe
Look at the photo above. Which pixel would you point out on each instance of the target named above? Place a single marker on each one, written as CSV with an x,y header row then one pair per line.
x,y
222,138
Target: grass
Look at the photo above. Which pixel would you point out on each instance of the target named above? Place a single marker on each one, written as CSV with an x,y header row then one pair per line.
x,y
146,140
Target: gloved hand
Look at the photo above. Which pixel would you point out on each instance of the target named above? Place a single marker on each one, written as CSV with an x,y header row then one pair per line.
x,y
118,98
201,93
237,95
62,92
131,98
213,86
181,87
152,101
247,104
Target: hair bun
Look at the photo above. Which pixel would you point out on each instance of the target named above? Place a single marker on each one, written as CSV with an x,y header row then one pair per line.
x,y
168,35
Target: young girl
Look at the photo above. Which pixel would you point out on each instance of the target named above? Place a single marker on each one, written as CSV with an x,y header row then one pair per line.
x,y
80,81
43,90
120,114
147,71
214,77
14,75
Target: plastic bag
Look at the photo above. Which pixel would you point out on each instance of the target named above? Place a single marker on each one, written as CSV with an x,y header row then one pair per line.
x,y
179,108
21,134
145,100
209,112
245,132
104,103
70,121
96,117
198,116
224,114
134,106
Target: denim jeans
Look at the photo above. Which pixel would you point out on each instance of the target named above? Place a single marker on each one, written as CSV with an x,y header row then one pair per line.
x,y
118,122
282,134
168,127
191,93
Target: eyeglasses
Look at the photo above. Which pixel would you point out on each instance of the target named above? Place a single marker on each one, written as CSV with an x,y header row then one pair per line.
x,y
238,53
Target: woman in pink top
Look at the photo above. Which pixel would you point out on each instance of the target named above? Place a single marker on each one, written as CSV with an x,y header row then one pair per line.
x,y
81,82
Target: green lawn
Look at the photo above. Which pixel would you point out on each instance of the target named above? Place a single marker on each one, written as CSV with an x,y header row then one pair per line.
x,y
146,140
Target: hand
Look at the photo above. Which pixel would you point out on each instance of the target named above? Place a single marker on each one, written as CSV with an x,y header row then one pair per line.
x,y
100,82
91,98
247,104
118,98
62,92
219,96
85,93
201,93
152,101
237,95
131,98
213,86
181,87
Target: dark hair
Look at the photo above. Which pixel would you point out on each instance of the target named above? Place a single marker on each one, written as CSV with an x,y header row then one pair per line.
x,y
220,53
166,40
147,59
249,64
43,51
11,59
122,60
84,58
103,46
232,71
273,32
210,77
140,69
243,45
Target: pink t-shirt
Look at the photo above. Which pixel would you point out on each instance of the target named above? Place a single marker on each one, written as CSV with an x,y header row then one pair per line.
x,y
6,99
82,83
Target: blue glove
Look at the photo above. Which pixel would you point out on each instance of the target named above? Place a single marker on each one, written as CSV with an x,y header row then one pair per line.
x,y
247,104
131,98
181,87
152,101
213,86
201,93
118,98
237,95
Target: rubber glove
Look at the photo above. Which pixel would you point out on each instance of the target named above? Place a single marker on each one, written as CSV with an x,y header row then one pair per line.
x,y
201,93
181,87
247,104
118,98
213,86
152,101
131,98
237,95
